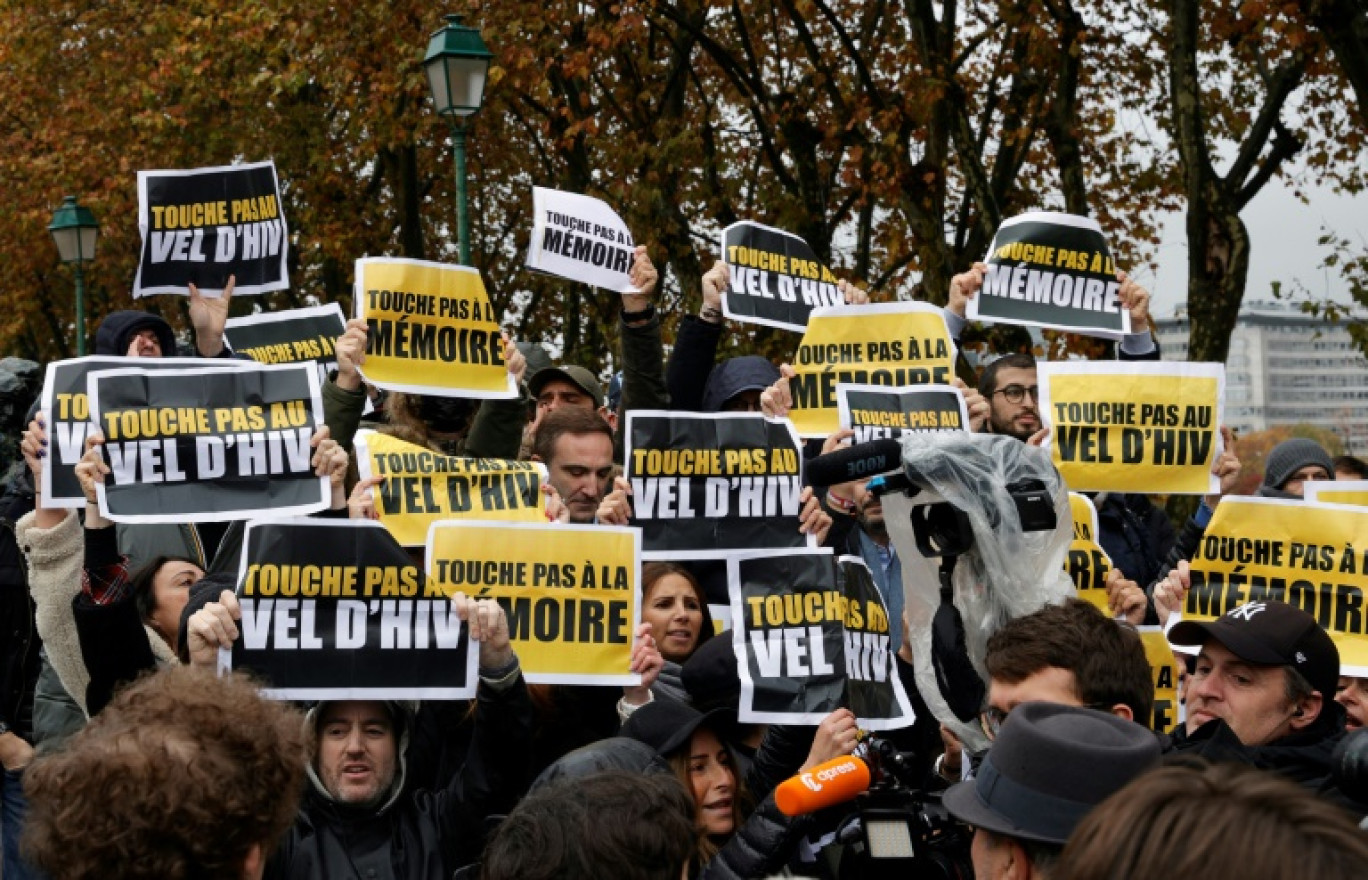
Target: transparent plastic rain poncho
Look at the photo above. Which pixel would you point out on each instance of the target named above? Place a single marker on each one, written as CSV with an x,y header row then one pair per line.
x,y
1007,573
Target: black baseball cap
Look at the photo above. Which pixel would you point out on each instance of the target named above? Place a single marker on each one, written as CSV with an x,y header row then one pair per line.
x,y
1270,633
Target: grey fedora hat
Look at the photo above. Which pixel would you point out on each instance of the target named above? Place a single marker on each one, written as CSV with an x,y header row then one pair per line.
x,y
1049,766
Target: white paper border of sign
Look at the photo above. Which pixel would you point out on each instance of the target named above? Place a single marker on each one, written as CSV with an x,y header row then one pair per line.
x,y
1312,490
746,713
47,402
225,655
145,227
843,390
906,717
1165,369
1059,218
511,393
361,446
625,679
726,301
705,555
324,486
540,195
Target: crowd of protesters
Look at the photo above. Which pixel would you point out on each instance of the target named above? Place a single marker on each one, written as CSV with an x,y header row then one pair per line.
x,y
126,756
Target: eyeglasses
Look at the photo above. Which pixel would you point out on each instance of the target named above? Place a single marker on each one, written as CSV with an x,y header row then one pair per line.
x,y
1014,393
991,718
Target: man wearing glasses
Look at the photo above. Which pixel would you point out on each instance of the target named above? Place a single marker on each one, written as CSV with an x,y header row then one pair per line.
x,y
1009,386
1009,383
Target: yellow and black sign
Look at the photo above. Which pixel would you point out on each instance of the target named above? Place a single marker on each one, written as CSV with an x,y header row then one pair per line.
x,y
776,278
875,413
422,487
1309,555
1151,426
205,225
1337,492
432,330
1164,669
892,345
208,445
571,592
705,484
1087,563
1048,269
336,610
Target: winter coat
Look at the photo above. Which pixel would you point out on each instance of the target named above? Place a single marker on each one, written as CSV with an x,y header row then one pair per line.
x,y
761,847
54,574
418,834
1305,757
19,642
1136,535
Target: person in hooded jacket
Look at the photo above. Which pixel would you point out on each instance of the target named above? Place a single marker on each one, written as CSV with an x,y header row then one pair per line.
x,y
359,817
1261,691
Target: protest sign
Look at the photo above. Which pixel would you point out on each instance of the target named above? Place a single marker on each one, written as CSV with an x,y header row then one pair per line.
x,y
1087,563
1146,426
422,487
892,345
67,409
336,610
1336,491
293,336
571,592
875,412
704,485
580,238
1051,270
776,279
874,690
1313,556
809,640
207,444
203,225
432,330
1164,672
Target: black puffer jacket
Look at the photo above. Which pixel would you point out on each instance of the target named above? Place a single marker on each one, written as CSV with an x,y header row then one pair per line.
x,y
761,847
1303,757
423,835
19,642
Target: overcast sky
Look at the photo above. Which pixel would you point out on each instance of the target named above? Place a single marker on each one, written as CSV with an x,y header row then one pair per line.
x,y
1283,233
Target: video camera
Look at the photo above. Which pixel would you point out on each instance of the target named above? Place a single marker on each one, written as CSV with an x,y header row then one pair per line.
x,y
981,523
898,830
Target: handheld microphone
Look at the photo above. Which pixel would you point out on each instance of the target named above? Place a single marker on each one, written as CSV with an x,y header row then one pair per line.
x,y
855,462
829,783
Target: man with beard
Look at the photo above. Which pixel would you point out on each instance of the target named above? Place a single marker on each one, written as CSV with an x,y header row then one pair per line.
x,y
1009,383
576,445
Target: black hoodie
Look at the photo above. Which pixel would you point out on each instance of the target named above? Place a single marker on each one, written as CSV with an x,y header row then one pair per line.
x,y
117,329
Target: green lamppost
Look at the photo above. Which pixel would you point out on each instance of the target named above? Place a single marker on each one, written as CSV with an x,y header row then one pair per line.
x,y
457,62
74,230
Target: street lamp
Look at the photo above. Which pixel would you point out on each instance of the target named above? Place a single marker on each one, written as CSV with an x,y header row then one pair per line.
x,y
74,230
457,62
